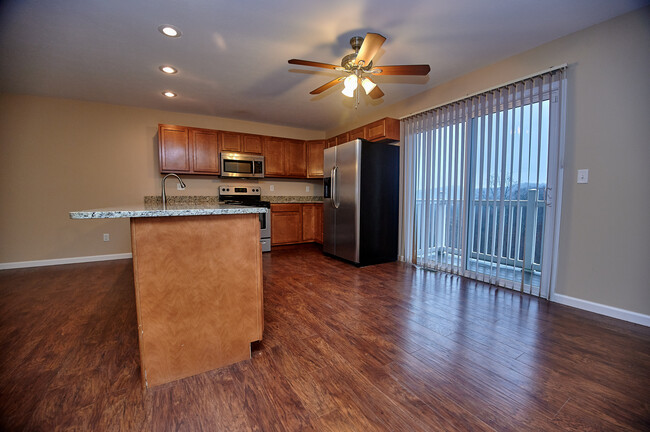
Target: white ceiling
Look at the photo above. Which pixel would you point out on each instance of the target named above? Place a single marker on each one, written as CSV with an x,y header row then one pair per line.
x,y
232,57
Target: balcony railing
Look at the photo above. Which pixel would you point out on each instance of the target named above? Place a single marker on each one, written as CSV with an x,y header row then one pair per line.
x,y
521,242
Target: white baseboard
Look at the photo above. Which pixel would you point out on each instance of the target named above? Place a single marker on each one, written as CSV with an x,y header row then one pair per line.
x,y
610,311
59,261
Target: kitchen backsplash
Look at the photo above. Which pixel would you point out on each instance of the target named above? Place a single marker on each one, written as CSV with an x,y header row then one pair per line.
x,y
188,199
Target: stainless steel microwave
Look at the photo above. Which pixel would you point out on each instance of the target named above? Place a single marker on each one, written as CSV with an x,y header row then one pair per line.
x,y
242,165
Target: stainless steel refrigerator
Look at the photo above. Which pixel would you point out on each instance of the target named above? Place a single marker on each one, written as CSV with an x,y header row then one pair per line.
x,y
360,208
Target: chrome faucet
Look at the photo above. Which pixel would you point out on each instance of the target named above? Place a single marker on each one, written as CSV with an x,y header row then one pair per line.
x,y
164,195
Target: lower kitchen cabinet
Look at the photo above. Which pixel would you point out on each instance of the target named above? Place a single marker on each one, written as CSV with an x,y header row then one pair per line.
x,y
312,223
286,224
296,223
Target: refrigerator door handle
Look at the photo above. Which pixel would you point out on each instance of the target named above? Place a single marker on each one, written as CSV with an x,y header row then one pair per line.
x,y
335,187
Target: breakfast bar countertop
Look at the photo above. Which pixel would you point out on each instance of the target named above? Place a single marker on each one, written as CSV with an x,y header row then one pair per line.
x,y
157,210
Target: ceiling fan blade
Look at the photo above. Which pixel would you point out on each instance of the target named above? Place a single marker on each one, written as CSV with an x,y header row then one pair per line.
x,y
401,70
376,93
324,87
312,63
371,44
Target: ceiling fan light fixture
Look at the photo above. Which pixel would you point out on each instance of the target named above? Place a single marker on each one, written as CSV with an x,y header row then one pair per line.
x,y
350,84
348,92
368,85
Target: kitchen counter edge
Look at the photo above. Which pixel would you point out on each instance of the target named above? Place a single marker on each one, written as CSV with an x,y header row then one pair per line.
x,y
140,211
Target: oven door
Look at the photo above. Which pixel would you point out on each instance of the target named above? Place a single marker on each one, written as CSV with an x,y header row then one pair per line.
x,y
265,225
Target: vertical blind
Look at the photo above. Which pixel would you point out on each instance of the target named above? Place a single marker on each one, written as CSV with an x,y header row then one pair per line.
x,y
479,179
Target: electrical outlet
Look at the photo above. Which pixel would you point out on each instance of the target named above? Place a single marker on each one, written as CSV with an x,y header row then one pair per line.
x,y
307,188
583,176
179,187
272,188
107,237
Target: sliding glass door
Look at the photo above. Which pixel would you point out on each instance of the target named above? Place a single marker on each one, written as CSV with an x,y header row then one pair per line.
x,y
479,177
508,180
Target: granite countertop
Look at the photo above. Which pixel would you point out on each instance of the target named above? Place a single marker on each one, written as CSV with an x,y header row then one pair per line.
x,y
293,199
171,209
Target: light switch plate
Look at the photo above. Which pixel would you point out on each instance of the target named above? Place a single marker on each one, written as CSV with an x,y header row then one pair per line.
x,y
583,176
307,188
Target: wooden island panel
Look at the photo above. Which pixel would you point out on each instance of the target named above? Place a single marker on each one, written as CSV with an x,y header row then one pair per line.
x,y
198,284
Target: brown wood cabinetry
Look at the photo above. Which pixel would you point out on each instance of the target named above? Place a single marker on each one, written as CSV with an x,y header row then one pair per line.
x,y
386,129
357,133
285,158
273,150
205,145
315,158
296,223
312,222
252,144
286,224
230,141
196,151
342,138
295,158
174,148
188,150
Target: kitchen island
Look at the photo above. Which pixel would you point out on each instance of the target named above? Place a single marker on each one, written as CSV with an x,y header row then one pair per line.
x,y
198,285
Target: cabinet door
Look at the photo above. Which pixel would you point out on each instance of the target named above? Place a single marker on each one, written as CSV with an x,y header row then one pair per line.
x,y
312,221
358,133
295,158
386,129
331,142
319,223
173,149
252,144
273,157
343,138
315,151
206,151
286,224
230,141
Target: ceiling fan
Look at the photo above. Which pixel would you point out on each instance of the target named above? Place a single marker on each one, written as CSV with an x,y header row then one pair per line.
x,y
358,66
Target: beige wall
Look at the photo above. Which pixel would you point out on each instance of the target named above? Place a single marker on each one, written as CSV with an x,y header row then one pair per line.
x,y
604,248
60,155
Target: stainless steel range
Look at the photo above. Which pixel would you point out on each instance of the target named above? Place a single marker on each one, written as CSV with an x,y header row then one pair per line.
x,y
249,195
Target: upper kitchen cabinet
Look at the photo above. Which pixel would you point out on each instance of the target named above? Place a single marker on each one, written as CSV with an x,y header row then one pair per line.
x,y
205,144
343,138
230,141
284,157
315,151
174,149
331,142
273,150
386,129
357,133
188,150
252,144
295,158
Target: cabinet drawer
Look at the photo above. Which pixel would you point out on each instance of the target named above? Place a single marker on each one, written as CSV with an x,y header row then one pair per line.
x,y
277,208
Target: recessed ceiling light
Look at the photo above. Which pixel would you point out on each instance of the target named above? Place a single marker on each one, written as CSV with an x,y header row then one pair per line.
x,y
168,69
170,30
169,94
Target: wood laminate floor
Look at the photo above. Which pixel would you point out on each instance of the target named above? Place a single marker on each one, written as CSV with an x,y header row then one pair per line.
x,y
381,348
